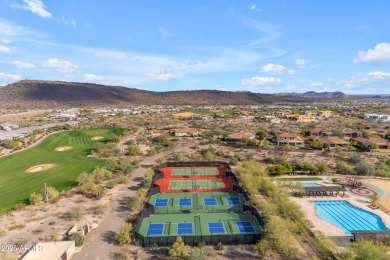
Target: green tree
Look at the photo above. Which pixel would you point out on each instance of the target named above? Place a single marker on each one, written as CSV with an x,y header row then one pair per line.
x,y
338,134
322,167
317,144
179,250
124,235
368,146
78,238
261,134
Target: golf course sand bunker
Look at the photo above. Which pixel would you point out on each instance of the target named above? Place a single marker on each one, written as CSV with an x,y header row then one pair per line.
x,y
39,168
95,138
63,148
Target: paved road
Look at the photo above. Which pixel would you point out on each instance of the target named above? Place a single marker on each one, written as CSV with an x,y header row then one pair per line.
x,y
100,242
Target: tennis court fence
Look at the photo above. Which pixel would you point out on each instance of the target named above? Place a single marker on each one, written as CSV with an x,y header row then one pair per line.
x,y
225,239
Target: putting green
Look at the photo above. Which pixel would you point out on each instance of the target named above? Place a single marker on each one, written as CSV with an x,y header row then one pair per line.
x,y
16,185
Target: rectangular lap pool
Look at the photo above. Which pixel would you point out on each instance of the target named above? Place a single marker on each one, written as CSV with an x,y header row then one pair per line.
x,y
348,217
311,184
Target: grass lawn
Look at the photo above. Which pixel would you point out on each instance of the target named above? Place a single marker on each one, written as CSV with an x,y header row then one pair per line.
x,y
300,179
16,185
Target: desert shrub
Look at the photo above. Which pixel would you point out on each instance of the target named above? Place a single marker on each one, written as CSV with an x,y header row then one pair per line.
x,y
123,237
219,246
97,210
233,160
133,150
149,174
76,213
355,158
16,226
262,248
3,232
122,180
111,184
35,198
179,250
364,168
52,194
99,192
125,254
343,168
78,238
9,144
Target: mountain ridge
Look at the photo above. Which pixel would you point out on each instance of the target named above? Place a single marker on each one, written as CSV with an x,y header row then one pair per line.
x,y
59,94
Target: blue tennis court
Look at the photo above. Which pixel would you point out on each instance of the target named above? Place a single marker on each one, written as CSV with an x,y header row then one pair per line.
x,y
161,203
233,201
216,228
245,227
210,201
184,228
185,202
155,229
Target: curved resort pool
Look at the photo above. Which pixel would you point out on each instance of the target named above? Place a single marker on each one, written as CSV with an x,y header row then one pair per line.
x,y
348,217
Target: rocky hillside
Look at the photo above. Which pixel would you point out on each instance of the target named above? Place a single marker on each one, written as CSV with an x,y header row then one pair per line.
x,y
56,94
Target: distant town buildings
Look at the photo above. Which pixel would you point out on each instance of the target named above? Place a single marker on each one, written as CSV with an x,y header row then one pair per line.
x,y
379,117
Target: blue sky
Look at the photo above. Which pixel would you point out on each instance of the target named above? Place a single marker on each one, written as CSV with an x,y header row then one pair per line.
x,y
267,46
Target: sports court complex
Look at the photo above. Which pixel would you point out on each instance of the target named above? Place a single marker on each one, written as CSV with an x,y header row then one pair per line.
x,y
201,202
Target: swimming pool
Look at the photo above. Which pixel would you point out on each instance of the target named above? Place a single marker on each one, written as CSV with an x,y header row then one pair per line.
x,y
348,217
311,184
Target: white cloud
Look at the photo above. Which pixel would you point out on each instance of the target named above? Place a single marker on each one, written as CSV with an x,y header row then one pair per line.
x,y
380,53
68,21
6,41
274,69
260,81
4,49
377,79
164,33
271,32
10,31
254,7
301,63
23,65
161,76
316,84
35,6
93,77
65,66
10,76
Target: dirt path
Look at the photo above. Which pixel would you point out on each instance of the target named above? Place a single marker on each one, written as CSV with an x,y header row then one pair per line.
x,y
100,242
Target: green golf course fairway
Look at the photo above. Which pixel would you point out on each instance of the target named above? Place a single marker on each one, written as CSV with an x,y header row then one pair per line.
x,y
16,185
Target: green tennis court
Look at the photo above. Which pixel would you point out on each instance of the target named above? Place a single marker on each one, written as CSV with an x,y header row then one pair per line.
x,y
207,202
198,225
190,171
195,184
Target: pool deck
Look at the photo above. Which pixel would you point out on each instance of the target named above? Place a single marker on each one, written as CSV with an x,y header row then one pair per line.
x,y
328,228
